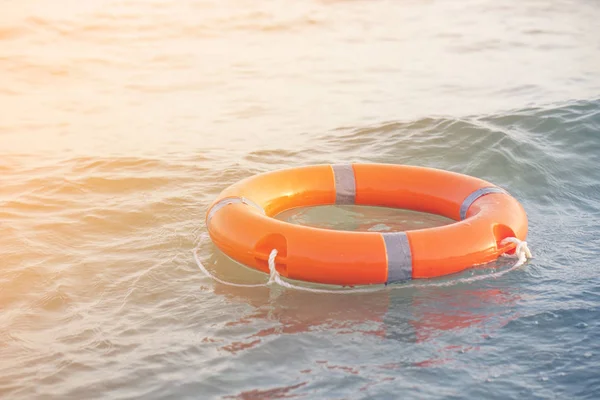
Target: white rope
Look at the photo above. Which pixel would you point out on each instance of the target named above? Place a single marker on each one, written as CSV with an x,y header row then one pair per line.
x,y
522,254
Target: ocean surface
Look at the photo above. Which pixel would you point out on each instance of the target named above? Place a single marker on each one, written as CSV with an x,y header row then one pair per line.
x,y
120,121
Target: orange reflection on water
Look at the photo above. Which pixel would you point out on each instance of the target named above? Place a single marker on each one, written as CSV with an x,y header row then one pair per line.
x,y
422,314
299,312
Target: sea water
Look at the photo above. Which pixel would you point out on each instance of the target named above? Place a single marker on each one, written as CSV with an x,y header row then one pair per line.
x,y
121,121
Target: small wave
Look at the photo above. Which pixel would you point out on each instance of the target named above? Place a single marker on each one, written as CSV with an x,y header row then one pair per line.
x,y
518,149
11,32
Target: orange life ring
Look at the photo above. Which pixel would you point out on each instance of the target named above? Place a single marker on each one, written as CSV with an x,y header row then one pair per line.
x,y
240,222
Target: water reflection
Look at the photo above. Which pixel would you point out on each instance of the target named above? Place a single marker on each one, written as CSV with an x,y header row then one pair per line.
x,y
437,310
426,315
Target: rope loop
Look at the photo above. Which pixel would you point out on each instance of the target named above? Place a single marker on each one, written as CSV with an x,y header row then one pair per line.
x,y
521,251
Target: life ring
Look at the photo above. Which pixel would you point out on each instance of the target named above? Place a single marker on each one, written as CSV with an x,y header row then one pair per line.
x,y
240,222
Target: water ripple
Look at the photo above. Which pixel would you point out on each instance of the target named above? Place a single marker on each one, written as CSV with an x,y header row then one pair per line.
x,y
122,122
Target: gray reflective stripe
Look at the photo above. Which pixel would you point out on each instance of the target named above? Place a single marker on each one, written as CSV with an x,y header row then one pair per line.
x,y
474,196
232,200
399,257
345,184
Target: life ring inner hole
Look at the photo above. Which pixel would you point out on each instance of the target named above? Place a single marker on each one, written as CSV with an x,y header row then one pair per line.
x,y
361,218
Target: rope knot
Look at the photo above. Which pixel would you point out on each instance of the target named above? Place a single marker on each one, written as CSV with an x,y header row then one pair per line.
x,y
522,252
273,274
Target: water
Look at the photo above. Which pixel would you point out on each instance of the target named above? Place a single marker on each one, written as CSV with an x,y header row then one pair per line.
x,y
121,121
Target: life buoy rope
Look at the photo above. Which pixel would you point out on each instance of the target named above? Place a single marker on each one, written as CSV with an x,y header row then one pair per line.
x,y
522,254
